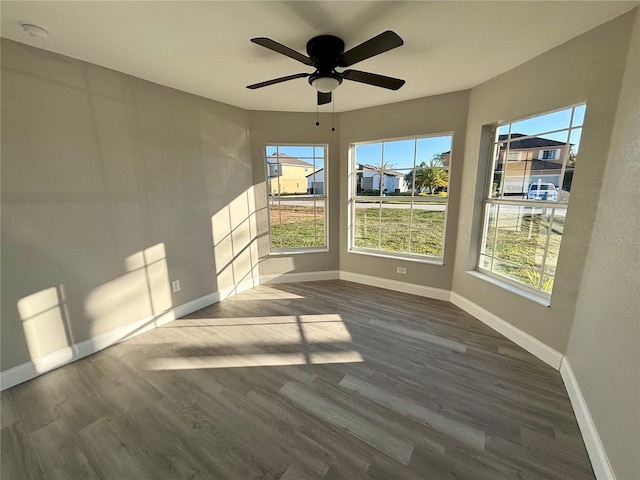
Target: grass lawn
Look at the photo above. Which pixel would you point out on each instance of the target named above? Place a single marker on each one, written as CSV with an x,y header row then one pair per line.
x,y
521,236
522,239
295,226
388,229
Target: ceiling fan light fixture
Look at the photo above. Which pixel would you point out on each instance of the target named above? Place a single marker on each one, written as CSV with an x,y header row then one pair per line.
x,y
325,84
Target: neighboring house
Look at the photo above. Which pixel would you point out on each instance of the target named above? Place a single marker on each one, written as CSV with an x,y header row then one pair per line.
x,y
315,182
287,174
530,160
368,180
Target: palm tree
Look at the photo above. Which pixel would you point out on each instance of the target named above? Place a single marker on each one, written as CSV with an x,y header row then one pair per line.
x,y
430,175
380,168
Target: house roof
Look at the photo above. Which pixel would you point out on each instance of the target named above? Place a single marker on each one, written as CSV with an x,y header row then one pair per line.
x,y
285,159
530,142
317,171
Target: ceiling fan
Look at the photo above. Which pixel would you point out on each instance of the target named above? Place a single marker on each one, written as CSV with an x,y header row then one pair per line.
x,y
326,53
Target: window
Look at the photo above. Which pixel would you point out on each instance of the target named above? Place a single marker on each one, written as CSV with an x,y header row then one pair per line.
x,y
398,198
296,197
526,202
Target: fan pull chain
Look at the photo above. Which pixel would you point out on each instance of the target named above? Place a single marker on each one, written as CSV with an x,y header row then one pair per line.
x,y
317,122
333,112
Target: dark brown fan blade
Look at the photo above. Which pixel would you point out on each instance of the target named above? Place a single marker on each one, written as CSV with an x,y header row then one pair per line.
x,y
277,80
282,49
385,41
373,79
324,98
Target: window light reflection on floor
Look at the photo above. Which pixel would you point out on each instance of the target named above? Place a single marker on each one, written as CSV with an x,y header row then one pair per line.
x,y
253,342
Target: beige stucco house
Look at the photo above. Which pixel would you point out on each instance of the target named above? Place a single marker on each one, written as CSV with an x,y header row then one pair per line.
x,y
287,174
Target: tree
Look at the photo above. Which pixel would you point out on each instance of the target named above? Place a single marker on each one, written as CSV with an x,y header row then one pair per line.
x,y
380,168
430,175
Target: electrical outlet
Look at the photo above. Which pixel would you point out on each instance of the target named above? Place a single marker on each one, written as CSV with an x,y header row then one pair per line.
x,y
175,285
402,270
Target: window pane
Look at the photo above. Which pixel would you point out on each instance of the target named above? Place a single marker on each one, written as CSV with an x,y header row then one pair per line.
x,y
430,147
370,153
399,154
367,224
571,162
432,180
503,130
398,182
489,234
497,178
296,151
555,237
542,123
427,229
578,115
485,262
319,235
395,219
296,226
316,185
522,235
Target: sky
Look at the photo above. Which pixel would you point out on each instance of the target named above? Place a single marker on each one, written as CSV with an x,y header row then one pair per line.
x,y
399,154
547,123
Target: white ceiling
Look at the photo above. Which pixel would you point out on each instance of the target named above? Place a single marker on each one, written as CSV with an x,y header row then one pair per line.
x,y
204,48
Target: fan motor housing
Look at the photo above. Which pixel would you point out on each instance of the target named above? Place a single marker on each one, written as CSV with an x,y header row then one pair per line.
x,y
324,50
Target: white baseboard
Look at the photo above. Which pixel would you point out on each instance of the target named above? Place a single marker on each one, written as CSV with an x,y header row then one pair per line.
x,y
404,287
34,368
526,341
299,277
597,454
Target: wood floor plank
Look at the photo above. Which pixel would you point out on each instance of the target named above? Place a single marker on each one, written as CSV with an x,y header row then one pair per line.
x,y
393,446
464,433
317,380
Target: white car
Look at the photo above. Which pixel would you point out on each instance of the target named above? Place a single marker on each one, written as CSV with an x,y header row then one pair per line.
x,y
542,191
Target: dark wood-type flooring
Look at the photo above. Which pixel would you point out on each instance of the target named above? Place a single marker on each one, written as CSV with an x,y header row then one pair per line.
x,y
318,380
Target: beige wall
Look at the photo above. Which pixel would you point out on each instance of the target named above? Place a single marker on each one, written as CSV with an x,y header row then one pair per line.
x,y
604,347
110,187
426,116
275,128
588,68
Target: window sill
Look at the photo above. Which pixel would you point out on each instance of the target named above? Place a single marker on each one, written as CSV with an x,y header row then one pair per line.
x,y
545,302
399,256
297,251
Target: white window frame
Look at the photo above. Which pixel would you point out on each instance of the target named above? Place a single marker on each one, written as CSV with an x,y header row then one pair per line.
x,y
536,294
285,199
353,199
